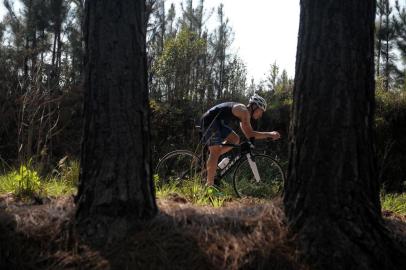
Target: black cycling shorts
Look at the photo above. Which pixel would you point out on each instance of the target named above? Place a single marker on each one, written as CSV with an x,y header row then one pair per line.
x,y
215,133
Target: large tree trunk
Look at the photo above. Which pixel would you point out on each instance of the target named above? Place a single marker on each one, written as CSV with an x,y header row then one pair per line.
x,y
116,188
332,193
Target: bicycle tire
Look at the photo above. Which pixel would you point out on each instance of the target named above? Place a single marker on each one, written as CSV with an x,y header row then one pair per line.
x,y
272,178
177,166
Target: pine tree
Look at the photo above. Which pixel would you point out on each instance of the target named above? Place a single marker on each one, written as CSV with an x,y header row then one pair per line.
x,y
116,189
386,36
171,21
283,81
272,77
74,48
332,193
400,27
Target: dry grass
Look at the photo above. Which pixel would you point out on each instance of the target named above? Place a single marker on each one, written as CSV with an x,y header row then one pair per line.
x,y
34,236
240,235
244,234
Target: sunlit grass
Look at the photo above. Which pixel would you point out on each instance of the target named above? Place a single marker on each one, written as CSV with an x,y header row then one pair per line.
x,y
193,191
57,187
22,182
7,184
25,181
395,203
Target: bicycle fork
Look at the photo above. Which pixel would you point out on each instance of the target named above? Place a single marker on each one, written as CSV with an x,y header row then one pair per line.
x,y
253,167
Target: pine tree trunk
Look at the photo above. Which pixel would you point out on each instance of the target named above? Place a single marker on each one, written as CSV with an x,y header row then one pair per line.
x,y
34,55
387,78
116,189
332,193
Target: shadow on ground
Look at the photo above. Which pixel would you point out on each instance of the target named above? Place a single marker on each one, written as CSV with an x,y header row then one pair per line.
x,y
241,235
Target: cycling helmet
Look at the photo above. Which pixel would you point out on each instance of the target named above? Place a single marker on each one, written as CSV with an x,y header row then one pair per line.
x,y
259,101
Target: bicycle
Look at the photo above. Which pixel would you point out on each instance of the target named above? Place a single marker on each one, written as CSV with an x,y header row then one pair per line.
x,y
255,175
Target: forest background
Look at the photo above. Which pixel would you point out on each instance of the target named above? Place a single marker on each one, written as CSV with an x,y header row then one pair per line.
x,y
191,67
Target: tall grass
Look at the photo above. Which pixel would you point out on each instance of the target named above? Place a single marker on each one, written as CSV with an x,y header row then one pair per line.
x,y
26,182
395,203
64,180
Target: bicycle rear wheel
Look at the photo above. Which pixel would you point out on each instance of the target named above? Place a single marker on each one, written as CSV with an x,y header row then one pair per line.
x,y
176,167
270,172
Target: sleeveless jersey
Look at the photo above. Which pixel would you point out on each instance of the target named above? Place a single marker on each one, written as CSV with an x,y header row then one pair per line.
x,y
222,111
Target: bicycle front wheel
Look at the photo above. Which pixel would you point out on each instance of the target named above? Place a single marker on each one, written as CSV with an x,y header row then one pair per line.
x,y
271,178
176,167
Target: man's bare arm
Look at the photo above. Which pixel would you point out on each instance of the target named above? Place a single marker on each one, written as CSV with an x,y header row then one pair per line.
x,y
245,123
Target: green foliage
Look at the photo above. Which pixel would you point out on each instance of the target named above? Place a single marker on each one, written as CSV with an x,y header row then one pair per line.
x,y
175,66
188,62
22,182
179,53
395,203
173,127
25,182
389,102
7,184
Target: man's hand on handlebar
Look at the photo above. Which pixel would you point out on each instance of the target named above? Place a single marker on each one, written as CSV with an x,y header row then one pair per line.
x,y
274,135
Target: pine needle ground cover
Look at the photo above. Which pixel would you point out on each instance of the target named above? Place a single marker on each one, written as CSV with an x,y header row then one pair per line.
x,y
183,236
242,234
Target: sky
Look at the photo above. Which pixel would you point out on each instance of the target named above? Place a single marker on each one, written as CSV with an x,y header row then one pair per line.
x,y
265,31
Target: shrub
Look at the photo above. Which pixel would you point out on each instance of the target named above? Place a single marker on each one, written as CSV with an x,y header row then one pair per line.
x,y
390,126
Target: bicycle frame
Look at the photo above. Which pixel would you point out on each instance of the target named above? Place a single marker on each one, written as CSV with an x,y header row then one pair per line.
x,y
245,149
244,157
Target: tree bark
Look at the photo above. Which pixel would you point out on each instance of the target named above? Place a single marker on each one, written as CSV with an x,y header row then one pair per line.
x,y
332,193
116,189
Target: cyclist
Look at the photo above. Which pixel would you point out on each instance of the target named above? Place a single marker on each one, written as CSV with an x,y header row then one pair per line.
x,y
214,124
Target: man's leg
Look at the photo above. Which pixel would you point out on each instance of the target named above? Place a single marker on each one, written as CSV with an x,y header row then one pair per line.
x,y
231,138
215,152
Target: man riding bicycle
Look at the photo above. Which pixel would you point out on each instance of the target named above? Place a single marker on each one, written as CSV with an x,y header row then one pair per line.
x,y
214,124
